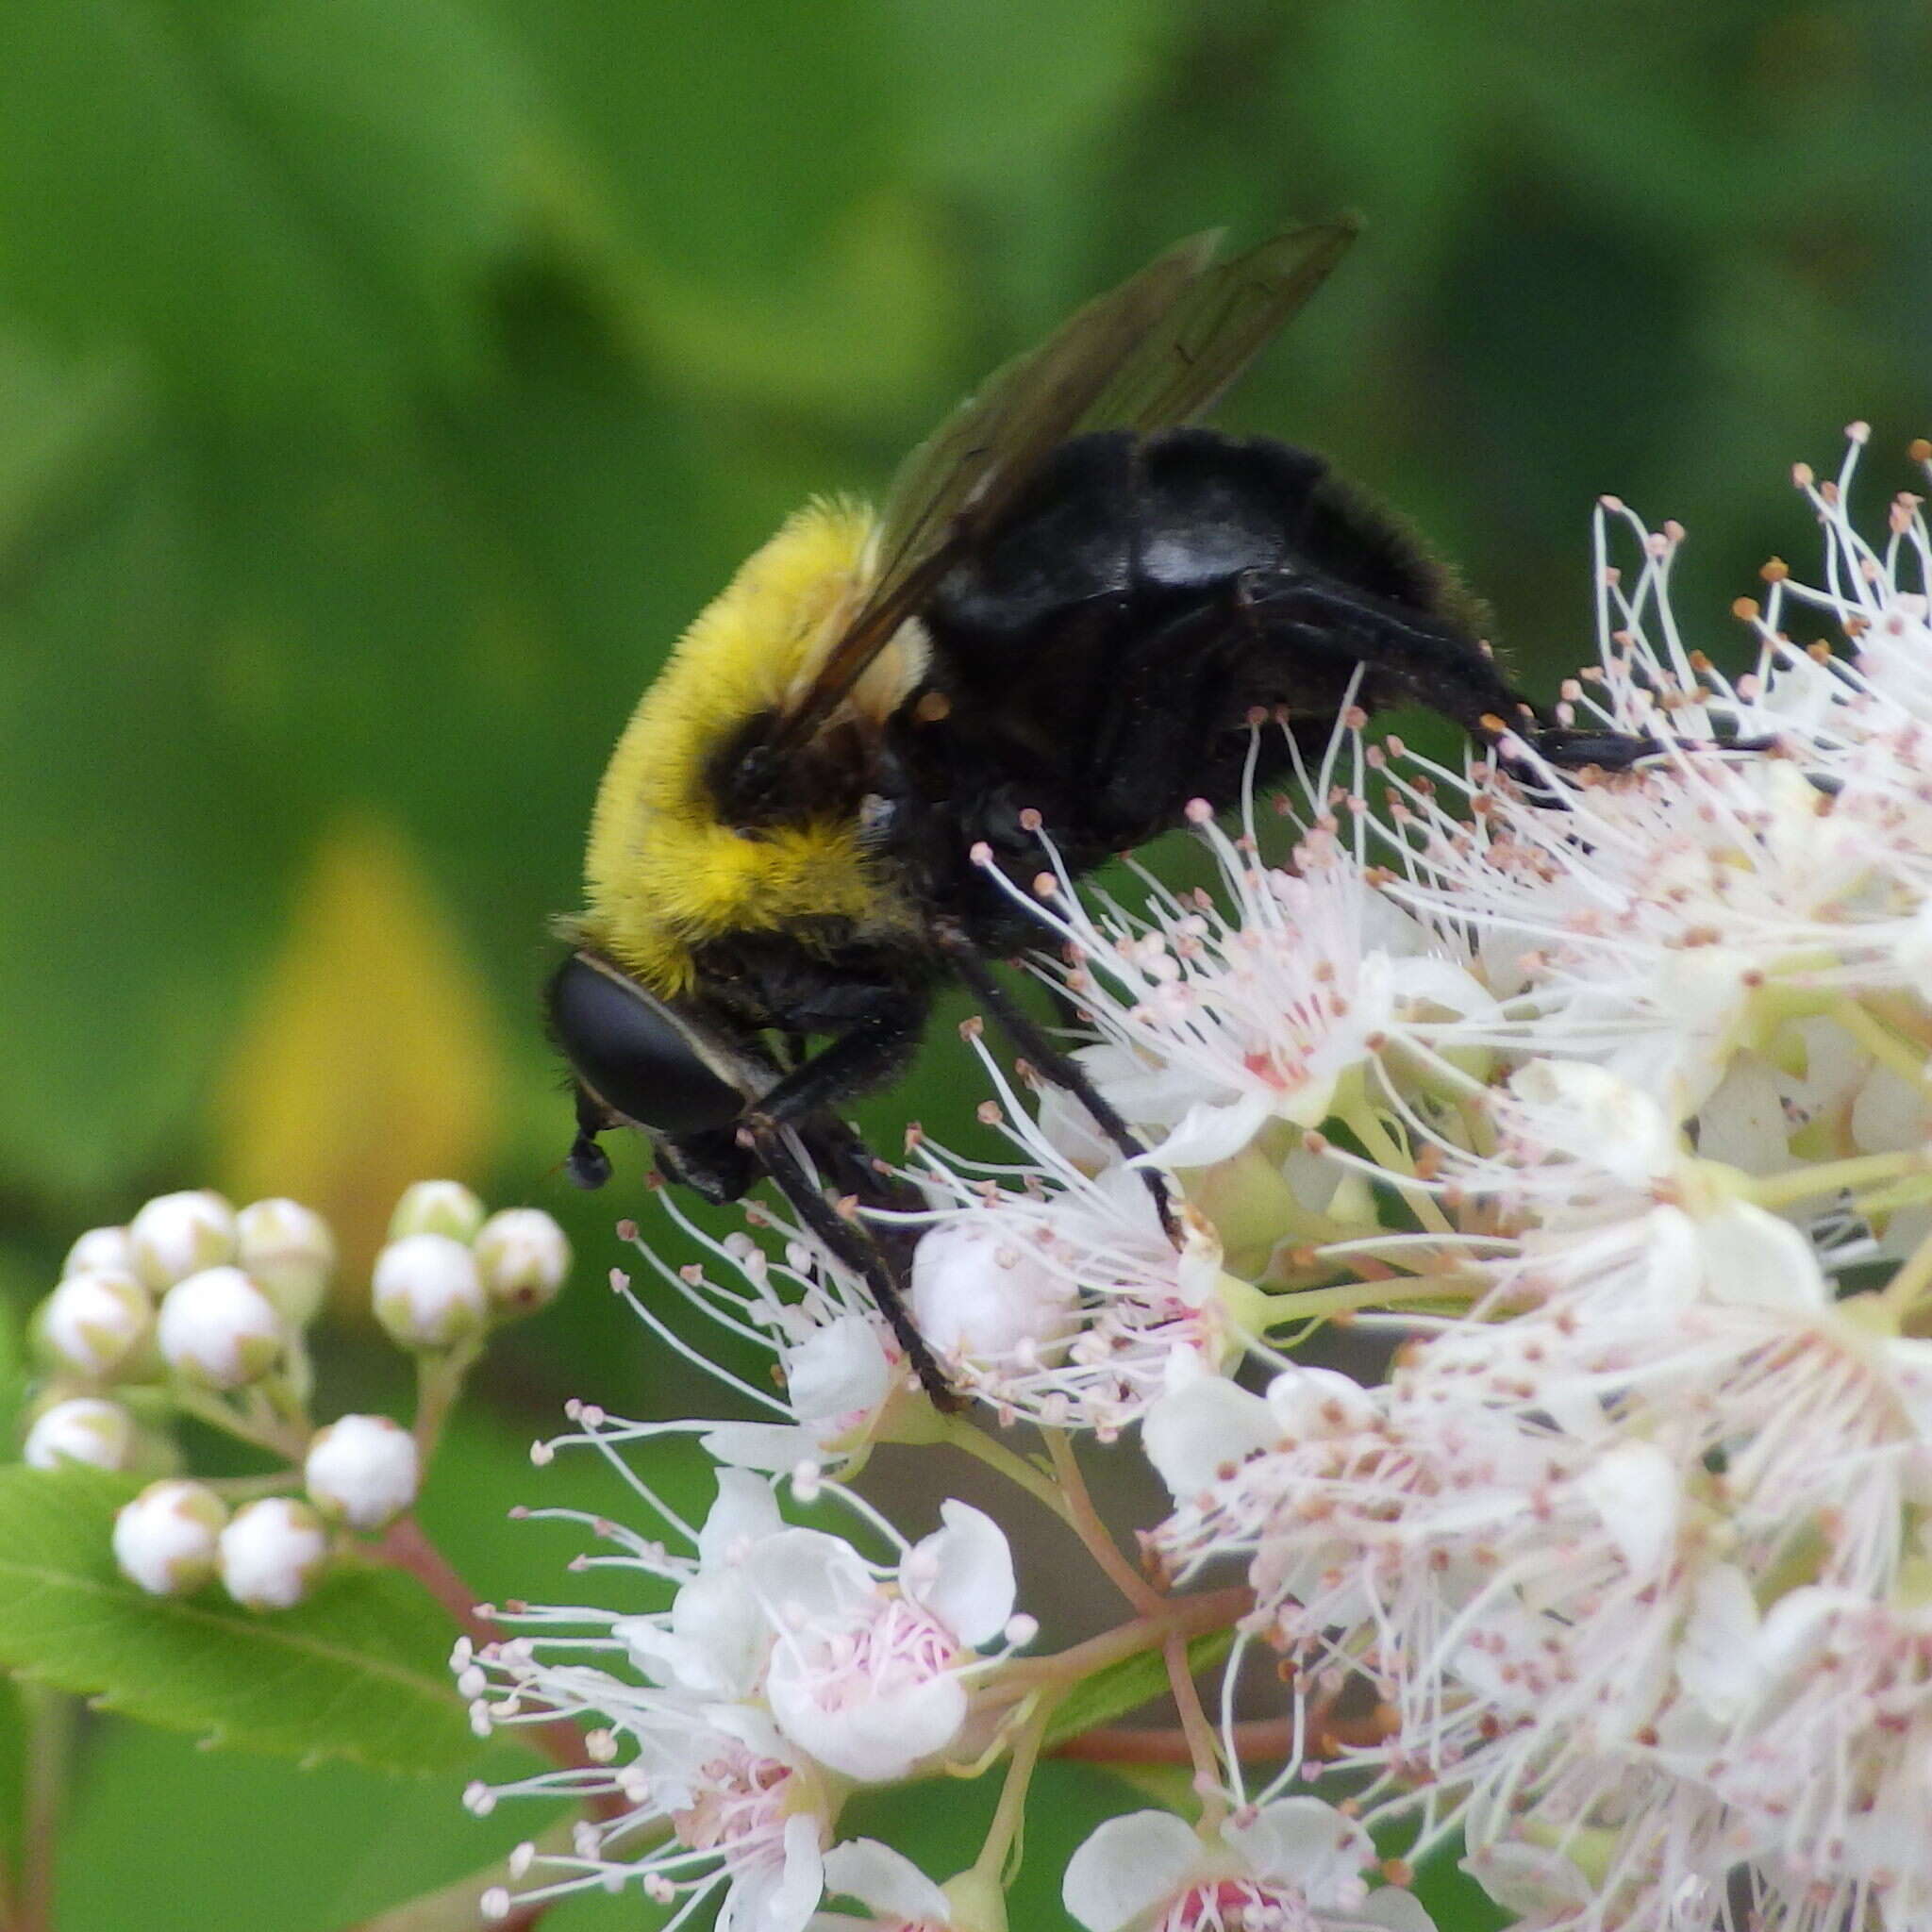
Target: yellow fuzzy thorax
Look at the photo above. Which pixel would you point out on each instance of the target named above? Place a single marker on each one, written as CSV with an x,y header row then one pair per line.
x,y
662,875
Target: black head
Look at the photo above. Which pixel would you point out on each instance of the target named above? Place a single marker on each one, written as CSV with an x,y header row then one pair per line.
x,y
638,1061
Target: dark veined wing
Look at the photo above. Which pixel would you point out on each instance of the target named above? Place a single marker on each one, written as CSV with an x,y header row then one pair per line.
x,y
1161,348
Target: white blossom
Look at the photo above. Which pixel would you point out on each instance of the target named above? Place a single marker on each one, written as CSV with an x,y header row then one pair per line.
x,y
1296,1864
840,1377
787,1666
899,1896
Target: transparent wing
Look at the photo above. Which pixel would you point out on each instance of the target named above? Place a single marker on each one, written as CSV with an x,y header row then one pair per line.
x,y
1161,348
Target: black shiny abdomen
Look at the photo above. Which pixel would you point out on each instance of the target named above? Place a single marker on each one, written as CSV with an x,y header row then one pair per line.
x,y
1151,526
1104,646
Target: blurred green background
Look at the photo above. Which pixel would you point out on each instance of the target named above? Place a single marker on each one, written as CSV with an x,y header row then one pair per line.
x,y
383,384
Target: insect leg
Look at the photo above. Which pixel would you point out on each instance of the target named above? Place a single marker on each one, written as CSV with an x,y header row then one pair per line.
x,y
852,1246
1060,1068
1433,660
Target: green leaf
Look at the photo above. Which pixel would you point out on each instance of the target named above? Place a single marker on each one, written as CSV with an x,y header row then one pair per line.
x,y
359,1672
1126,1686
284,208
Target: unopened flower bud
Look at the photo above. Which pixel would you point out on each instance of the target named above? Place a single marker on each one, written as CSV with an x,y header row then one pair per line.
x,y
289,1254
219,1329
524,1258
100,1247
83,1428
446,1207
427,1291
270,1554
179,1234
363,1469
96,1323
166,1538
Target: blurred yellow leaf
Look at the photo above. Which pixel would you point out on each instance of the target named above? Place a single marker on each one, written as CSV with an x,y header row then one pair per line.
x,y
369,1058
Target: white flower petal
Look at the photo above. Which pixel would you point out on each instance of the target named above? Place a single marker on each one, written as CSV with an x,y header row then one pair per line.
x,y
746,1512
717,1641
1309,1846
876,1739
1192,1433
1395,1910
886,1880
1595,1111
773,1447
963,1574
1128,1866
1634,1488
1755,1260
1716,1654
1529,1880
763,1901
838,1370
1319,1401
1210,1131
804,1576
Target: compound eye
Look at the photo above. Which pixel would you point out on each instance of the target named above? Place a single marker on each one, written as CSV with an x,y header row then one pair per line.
x,y
634,1053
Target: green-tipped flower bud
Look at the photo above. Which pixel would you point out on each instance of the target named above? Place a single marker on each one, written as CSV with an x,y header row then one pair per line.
x,y
363,1469
427,1292
83,1428
444,1208
287,1252
179,1234
96,1323
100,1247
524,1258
166,1538
217,1328
272,1554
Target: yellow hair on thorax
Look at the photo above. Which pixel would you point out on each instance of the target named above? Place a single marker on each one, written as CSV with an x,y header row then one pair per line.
x,y
662,875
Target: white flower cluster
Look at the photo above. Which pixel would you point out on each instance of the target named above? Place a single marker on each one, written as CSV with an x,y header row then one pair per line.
x,y
1628,1554
1584,1118
196,1308
788,1669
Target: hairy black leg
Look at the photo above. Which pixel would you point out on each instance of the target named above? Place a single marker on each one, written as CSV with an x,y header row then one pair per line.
x,y
877,1038
1047,1058
1436,660
1617,750
854,1247
587,1165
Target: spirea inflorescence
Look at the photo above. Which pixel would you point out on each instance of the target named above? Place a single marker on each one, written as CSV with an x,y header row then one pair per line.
x,y
1594,1117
